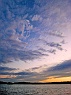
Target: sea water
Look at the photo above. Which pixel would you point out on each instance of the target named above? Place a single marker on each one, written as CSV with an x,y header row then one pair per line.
x,y
45,89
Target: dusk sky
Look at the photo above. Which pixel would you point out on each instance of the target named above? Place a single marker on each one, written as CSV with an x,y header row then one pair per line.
x,y
35,40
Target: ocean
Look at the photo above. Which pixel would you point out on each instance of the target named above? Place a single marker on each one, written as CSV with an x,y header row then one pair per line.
x,y
45,89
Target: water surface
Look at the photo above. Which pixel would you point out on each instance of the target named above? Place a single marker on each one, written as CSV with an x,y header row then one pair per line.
x,y
45,89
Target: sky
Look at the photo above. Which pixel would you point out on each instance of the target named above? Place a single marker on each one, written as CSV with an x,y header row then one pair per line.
x,y
35,40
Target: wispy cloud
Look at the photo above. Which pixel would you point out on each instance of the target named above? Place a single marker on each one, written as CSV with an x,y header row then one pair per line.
x,y
23,21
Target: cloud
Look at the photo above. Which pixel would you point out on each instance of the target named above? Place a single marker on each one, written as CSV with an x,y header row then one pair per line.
x,y
36,18
9,55
38,69
31,74
51,44
25,73
56,33
52,51
14,32
64,65
6,69
61,70
39,73
10,71
20,24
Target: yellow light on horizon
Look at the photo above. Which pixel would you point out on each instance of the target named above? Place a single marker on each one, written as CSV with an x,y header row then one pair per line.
x,y
54,79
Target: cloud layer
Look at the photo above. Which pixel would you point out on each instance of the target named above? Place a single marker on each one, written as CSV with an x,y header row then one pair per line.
x,y
38,73
32,30
27,26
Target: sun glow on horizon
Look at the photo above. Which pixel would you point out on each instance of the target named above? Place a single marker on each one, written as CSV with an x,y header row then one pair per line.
x,y
56,79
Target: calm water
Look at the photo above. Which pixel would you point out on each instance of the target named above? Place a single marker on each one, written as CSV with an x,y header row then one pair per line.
x,y
52,89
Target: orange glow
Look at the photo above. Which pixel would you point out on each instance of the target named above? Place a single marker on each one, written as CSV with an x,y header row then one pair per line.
x,y
7,76
55,79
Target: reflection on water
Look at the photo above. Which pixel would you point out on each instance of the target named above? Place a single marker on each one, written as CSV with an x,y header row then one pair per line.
x,y
21,89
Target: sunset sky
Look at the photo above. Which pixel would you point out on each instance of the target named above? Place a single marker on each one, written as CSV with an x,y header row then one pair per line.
x,y
35,40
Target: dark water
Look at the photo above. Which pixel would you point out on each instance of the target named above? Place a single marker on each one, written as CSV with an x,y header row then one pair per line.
x,y
21,89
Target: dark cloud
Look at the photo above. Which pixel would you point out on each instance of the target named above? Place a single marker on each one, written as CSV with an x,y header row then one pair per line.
x,y
52,45
24,73
18,74
6,73
8,55
56,34
53,51
6,69
61,70
64,65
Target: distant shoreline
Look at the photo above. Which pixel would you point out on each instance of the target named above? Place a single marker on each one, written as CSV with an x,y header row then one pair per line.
x,y
67,82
